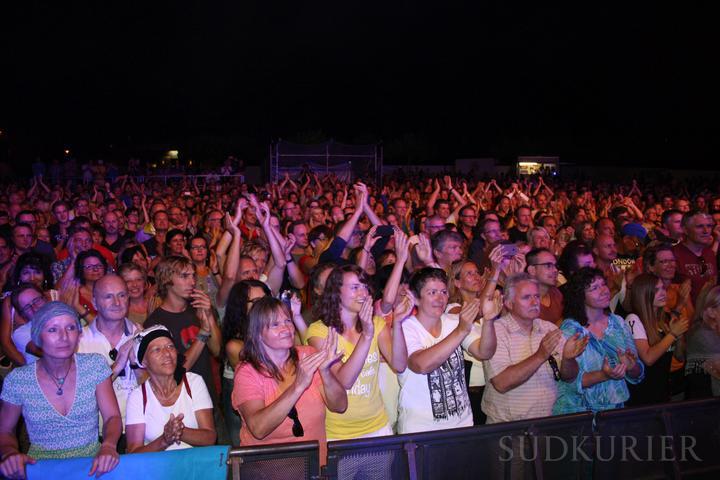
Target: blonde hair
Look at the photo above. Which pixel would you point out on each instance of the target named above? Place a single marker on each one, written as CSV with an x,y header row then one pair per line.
x,y
709,297
642,296
454,293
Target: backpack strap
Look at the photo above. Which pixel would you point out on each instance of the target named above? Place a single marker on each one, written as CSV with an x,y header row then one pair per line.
x,y
144,394
187,385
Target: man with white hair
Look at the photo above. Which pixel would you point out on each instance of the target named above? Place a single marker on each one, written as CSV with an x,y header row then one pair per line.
x,y
531,356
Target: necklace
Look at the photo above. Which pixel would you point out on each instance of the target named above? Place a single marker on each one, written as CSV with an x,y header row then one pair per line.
x,y
58,381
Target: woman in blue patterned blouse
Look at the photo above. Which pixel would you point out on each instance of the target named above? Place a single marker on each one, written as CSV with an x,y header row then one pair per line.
x,y
59,396
610,359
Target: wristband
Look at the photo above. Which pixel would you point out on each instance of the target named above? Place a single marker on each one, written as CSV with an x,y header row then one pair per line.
x,y
203,337
289,260
216,273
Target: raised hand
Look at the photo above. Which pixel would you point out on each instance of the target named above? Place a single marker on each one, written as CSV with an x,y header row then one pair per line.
x,y
402,242
424,250
549,342
370,238
448,182
288,244
492,306
366,317
404,308
240,206
498,261
574,346
295,305
201,302
616,373
330,351
306,368
468,314
231,226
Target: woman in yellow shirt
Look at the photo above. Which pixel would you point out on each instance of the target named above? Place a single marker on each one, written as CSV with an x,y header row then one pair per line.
x,y
347,306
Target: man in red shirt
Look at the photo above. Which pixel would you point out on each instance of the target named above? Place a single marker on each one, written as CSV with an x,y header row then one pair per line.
x,y
695,258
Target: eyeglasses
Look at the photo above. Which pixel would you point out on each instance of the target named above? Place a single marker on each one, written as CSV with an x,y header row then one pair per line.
x,y
550,265
297,428
35,304
96,267
554,366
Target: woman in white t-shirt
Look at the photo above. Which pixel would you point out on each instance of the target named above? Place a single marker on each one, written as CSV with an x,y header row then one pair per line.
x,y
655,333
166,413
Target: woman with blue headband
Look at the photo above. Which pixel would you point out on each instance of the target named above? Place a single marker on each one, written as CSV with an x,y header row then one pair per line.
x,y
60,397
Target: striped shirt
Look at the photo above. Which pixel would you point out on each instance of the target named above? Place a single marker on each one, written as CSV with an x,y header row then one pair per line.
x,y
535,397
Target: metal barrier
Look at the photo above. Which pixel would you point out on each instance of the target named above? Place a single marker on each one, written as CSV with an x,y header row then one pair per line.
x,y
503,450
674,440
282,461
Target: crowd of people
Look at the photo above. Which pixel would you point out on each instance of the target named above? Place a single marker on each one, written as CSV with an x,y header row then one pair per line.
x,y
142,317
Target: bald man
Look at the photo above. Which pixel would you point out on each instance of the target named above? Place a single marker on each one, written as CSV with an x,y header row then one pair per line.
x,y
110,335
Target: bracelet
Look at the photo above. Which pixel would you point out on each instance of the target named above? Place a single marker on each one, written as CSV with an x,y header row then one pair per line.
x,y
289,260
203,337
216,273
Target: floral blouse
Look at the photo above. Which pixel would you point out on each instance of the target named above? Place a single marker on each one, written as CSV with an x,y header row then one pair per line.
x,y
572,397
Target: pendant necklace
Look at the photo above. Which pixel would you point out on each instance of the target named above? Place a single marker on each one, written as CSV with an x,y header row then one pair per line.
x,y
58,381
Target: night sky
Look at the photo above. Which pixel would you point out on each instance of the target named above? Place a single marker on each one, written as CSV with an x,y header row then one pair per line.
x,y
433,80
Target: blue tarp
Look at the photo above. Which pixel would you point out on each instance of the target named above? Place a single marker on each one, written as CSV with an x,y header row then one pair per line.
x,y
206,463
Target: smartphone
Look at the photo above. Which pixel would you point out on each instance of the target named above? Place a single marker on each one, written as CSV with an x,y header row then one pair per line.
x,y
508,249
285,297
384,231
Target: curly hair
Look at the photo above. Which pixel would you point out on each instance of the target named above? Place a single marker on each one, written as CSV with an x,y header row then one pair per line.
x,y
262,314
328,309
574,293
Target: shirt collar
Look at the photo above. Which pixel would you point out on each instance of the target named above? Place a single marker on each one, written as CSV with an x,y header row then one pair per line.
x,y
514,326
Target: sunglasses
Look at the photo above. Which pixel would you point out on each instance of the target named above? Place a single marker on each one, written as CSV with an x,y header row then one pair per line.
x,y
555,368
703,266
297,428
113,356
